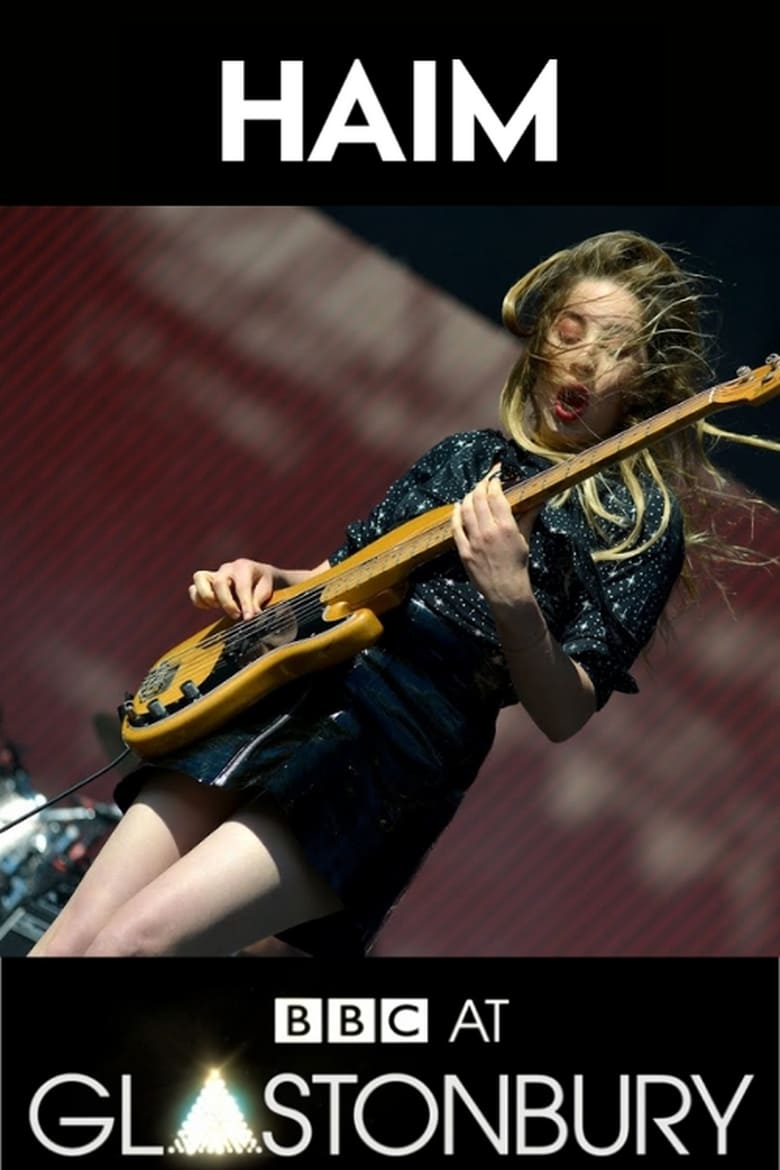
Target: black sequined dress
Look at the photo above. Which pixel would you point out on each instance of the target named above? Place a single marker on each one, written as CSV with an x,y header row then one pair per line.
x,y
374,756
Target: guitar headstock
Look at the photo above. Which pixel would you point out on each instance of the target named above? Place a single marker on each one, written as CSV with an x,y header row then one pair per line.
x,y
751,387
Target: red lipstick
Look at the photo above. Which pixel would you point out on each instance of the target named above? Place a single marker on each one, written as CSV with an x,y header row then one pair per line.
x,y
571,402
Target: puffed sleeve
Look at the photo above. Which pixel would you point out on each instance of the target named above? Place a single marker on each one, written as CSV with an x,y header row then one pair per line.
x,y
622,601
441,475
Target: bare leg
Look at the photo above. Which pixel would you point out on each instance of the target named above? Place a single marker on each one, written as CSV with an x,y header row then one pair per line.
x,y
246,880
169,817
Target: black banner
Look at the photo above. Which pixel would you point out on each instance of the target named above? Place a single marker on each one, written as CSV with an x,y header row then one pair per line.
x,y
571,113
636,1062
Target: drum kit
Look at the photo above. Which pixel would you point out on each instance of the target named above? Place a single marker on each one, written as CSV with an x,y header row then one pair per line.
x,y
43,856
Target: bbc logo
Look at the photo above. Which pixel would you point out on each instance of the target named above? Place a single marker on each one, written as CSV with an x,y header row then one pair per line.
x,y
351,1021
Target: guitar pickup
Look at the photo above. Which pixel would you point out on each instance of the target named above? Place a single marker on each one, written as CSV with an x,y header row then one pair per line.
x,y
189,690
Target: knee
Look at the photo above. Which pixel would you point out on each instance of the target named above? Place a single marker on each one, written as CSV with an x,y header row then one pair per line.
x,y
122,939
112,944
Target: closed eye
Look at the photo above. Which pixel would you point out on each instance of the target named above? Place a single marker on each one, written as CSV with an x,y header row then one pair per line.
x,y
569,331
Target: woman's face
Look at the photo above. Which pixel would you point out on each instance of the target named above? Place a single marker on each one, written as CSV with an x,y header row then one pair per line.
x,y
590,356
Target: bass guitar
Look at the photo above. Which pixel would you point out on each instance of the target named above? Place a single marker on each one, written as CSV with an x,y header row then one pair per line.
x,y
221,670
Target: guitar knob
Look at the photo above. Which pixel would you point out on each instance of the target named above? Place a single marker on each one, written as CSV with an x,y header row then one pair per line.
x,y
773,359
743,371
189,690
157,710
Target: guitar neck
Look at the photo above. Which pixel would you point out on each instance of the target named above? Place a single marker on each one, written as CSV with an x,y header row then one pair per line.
x,y
390,559
573,470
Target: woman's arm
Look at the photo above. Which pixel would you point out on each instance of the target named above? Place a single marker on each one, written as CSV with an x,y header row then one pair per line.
x,y
554,689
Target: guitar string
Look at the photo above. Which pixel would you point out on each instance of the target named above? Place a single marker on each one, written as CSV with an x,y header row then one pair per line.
x,y
304,605
309,602
299,609
275,619
311,599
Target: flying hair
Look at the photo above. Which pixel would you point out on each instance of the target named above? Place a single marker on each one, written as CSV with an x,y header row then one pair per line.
x,y
677,366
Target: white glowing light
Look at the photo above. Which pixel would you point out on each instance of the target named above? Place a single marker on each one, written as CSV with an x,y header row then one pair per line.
x,y
13,808
215,1124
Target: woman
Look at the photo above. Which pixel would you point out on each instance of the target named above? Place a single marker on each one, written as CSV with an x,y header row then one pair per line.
x,y
311,833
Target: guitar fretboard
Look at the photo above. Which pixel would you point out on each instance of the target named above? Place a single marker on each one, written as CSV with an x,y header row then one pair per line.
x,y
432,533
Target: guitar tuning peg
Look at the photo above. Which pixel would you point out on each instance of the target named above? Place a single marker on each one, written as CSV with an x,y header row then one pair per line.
x,y
743,371
773,359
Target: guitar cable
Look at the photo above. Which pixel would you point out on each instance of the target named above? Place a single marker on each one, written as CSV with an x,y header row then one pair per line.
x,y
73,788
278,722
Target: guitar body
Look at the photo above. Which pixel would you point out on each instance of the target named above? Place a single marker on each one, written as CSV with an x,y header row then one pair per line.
x,y
220,671
226,667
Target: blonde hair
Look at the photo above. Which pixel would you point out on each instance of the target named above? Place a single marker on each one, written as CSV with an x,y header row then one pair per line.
x,y
676,368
